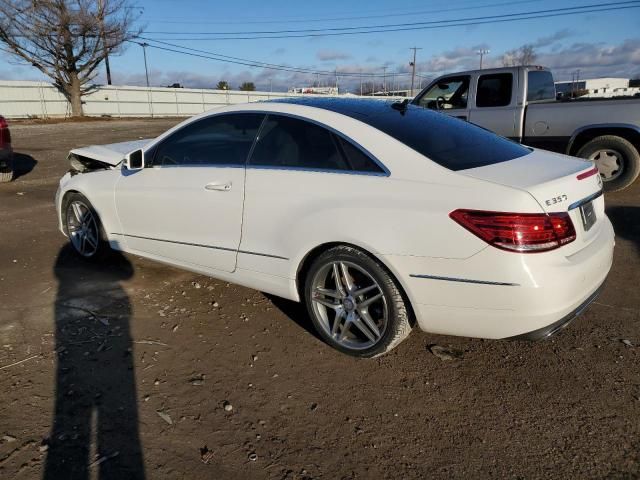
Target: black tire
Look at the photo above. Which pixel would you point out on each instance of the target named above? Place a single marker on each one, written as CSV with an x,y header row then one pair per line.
x,y
398,325
102,248
629,160
6,174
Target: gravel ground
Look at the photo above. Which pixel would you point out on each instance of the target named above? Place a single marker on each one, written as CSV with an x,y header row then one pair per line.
x,y
133,369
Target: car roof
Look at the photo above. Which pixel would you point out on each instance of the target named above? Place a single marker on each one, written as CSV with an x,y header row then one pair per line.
x,y
358,108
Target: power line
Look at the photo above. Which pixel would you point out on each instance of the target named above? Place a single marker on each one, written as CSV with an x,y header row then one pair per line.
x,y
573,10
340,19
419,25
253,63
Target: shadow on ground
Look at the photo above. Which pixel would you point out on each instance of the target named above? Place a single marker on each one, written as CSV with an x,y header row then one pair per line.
x,y
22,164
296,311
95,425
626,223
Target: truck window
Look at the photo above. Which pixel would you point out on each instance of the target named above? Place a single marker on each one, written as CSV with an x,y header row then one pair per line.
x,y
540,86
494,90
447,93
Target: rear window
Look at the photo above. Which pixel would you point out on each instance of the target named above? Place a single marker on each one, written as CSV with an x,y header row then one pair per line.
x,y
540,86
452,143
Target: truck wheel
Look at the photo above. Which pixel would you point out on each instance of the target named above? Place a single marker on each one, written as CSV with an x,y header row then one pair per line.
x,y
616,158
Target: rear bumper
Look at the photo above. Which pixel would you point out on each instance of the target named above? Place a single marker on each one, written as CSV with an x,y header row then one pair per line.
x,y
498,295
550,330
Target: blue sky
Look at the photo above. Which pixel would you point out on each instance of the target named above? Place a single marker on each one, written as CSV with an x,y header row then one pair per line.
x,y
599,44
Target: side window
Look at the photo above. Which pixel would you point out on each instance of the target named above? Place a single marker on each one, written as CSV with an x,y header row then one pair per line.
x,y
218,140
540,86
290,142
494,90
359,161
448,93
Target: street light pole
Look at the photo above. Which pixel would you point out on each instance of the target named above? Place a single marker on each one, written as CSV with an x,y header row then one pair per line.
x,y
384,79
482,53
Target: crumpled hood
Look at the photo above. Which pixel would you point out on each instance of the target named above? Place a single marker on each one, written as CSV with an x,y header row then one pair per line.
x,y
112,153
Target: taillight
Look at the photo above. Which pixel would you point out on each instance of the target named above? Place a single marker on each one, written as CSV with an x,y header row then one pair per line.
x,y
5,136
518,232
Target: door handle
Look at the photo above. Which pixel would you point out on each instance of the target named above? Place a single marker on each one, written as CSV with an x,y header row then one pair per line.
x,y
221,187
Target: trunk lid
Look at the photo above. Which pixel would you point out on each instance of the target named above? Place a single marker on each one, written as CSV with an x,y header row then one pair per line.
x,y
112,153
558,183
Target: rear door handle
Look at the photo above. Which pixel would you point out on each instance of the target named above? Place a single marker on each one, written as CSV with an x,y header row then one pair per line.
x,y
221,187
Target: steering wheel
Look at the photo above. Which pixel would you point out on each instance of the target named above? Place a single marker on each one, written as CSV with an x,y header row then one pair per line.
x,y
438,104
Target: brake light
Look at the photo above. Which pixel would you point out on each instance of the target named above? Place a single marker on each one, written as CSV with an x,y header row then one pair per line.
x,y
587,174
518,232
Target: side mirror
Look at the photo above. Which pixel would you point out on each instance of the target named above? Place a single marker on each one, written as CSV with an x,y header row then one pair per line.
x,y
134,160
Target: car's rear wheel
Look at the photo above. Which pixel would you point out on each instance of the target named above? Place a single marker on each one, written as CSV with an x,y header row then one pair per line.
x,y
616,158
355,304
83,227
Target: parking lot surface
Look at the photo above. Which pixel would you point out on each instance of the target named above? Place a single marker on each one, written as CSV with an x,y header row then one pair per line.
x,y
131,369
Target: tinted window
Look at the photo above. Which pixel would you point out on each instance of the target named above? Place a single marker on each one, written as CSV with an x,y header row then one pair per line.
x,y
494,90
449,92
219,140
358,160
452,143
294,143
540,86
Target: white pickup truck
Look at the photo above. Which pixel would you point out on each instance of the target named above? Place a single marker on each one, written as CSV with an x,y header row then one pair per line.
x,y
520,103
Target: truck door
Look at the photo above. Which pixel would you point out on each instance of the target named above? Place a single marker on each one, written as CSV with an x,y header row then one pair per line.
x,y
449,95
495,106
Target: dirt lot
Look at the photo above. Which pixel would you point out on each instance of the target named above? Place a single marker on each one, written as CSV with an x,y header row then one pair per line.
x,y
133,369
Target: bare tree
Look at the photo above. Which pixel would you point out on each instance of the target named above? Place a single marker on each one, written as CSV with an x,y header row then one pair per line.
x,y
524,55
66,39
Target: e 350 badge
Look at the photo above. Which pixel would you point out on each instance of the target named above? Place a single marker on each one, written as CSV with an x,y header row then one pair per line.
x,y
554,200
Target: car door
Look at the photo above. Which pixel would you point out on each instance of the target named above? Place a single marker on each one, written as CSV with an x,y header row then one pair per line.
x,y
448,95
297,172
495,105
186,205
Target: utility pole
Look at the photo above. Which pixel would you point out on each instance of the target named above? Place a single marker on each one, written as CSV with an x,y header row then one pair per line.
x,y
146,69
482,52
104,40
413,68
336,73
360,82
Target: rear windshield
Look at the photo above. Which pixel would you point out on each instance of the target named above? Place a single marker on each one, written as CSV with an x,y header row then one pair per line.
x,y
452,143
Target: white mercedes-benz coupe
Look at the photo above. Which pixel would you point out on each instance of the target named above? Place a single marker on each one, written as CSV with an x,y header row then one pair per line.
x,y
377,215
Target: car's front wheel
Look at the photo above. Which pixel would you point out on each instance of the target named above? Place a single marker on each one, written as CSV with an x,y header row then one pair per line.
x,y
355,304
83,227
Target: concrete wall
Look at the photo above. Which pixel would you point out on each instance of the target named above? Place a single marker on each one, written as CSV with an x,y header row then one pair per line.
x,y
22,99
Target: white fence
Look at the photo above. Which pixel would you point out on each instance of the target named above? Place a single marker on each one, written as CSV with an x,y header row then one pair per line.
x,y
22,99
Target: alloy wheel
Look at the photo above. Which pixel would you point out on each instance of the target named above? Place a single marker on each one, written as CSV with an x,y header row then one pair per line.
x,y
349,304
82,228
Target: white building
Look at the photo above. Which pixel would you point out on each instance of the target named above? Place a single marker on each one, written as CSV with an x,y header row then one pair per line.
x,y
597,87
